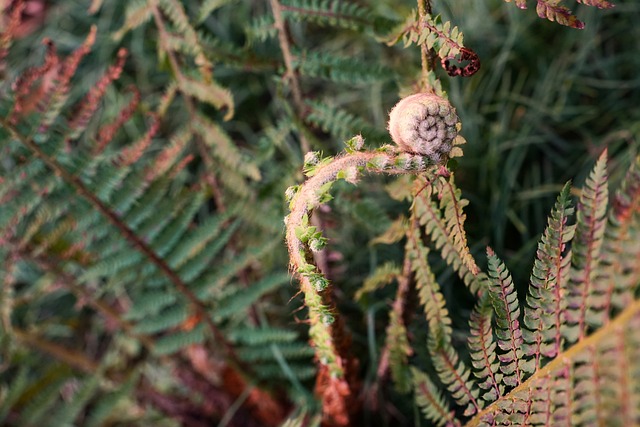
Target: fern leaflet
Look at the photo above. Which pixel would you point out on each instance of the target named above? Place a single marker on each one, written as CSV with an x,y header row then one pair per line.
x,y
543,315
505,302
585,305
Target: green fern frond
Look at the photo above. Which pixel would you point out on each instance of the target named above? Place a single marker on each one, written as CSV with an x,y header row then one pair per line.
x,y
454,375
260,29
166,319
291,351
445,359
109,404
381,276
580,383
209,6
621,250
224,149
430,399
200,245
504,298
585,304
340,123
334,13
178,340
338,69
482,350
544,312
430,216
47,392
262,336
10,392
137,13
149,303
430,32
428,289
208,92
400,349
452,205
66,415
237,303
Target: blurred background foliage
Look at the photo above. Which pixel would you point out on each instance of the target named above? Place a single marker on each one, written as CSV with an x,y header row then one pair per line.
x,y
546,101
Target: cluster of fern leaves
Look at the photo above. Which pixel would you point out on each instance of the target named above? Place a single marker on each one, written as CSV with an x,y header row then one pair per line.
x,y
146,146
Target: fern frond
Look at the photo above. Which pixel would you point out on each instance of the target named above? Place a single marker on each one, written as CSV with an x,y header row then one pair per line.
x,y
66,415
522,4
397,343
260,29
504,298
166,319
586,299
428,289
482,349
291,351
237,303
224,149
209,6
208,92
334,13
450,369
580,383
600,4
452,205
430,216
178,340
620,250
551,10
381,276
430,399
544,312
137,13
430,32
338,69
340,123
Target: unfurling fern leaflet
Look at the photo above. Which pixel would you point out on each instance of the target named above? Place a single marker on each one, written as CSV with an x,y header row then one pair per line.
x,y
432,33
543,313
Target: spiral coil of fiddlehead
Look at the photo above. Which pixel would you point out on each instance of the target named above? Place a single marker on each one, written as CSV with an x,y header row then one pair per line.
x,y
424,124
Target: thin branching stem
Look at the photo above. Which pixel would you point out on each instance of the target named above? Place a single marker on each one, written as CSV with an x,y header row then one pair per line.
x,y
290,76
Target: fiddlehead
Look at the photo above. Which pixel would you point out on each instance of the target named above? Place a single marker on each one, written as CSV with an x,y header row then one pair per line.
x,y
425,129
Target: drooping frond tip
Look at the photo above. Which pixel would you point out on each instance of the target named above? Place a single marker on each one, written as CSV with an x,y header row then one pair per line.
x,y
553,10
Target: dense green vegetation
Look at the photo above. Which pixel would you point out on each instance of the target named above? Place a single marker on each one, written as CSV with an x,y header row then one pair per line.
x,y
151,149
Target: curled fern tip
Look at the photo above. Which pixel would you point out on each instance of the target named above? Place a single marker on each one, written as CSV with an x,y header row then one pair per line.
x,y
424,124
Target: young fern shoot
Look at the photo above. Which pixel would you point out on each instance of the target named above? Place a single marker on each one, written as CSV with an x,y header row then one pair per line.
x,y
425,128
